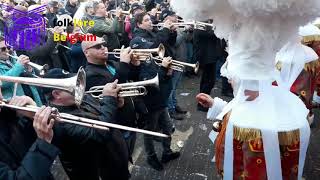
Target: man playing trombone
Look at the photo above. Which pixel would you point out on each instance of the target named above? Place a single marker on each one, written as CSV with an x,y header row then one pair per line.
x,y
19,68
88,153
26,151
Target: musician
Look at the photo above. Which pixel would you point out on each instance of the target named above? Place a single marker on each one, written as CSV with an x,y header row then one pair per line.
x,y
106,27
175,111
26,151
88,153
53,7
156,101
167,35
18,68
72,6
135,9
100,71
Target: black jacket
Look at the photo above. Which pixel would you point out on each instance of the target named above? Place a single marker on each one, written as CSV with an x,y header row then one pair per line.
x,y
164,36
22,155
156,98
206,47
71,9
99,75
86,152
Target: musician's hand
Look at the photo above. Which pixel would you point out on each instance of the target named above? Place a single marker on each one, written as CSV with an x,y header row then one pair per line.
x,y
58,29
23,60
111,89
205,100
168,24
153,12
118,12
125,54
43,123
23,101
166,62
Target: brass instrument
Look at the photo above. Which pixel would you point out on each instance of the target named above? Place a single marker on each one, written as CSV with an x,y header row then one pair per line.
x,y
113,11
142,54
195,24
178,65
128,89
69,118
76,85
42,69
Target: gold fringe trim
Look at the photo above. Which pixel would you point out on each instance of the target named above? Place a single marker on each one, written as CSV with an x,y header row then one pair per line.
x,y
247,134
312,66
309,39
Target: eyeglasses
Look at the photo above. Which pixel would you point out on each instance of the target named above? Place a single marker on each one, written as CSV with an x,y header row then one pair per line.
x,y
98,46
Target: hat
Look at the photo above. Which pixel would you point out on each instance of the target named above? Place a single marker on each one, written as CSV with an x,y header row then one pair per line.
x,y
140,43
309,33
56,73
165,13
88,44
164,5
53,3
135,6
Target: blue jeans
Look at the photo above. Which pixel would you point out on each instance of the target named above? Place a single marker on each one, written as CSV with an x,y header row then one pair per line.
x,y
172,101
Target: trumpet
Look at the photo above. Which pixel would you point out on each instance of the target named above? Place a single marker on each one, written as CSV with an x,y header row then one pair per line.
x,y
42,69
142,54
113,11
69,118
195,24
128,89
75,85
178,65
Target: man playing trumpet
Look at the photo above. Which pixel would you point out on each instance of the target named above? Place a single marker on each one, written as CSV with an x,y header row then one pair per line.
x,y
12,67
100,71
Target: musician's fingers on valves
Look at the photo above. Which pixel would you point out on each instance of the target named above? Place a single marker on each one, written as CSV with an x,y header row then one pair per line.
x,y
111,89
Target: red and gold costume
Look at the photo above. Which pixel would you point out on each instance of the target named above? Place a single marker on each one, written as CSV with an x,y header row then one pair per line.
x,y
249,161
307,83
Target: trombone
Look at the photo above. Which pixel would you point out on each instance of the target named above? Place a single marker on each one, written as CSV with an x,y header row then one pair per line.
x,y
178,65
42,69
69,118
142,54
75,85
127,89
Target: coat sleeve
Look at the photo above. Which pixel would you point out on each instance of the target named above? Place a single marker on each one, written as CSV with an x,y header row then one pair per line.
x,y
82,135
162,36
15,71
35,165
216,109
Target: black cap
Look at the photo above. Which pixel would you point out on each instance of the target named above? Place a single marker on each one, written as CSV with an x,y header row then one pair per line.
x,y
56,73
134,7
164,5
53,3
165,13
140,43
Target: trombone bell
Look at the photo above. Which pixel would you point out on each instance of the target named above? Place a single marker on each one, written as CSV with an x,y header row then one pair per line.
x,y
75,85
